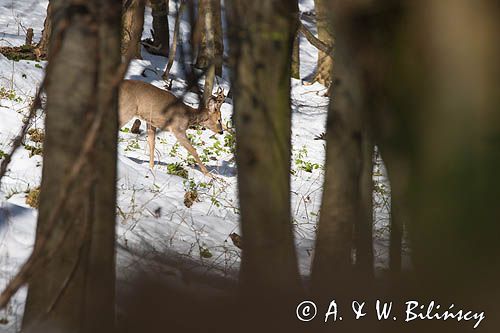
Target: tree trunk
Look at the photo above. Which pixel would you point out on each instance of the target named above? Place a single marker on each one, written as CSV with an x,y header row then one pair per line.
x,y
296,48
218,37
209,83
73,287
364,228
397,170
341,204
263,119
175,41
211,47
456,186
161,37
43,45
438,127
324,68
133,22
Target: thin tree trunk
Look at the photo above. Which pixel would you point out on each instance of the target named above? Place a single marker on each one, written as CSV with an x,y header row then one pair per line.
x,y
206,52
44,43
211,47
364,228
175,41
209,83
218,36
133,22
296,48
161,37
206,36
296,57
263,119
73,290
324,68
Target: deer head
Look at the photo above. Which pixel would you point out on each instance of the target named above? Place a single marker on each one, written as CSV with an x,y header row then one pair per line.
x,y
214,103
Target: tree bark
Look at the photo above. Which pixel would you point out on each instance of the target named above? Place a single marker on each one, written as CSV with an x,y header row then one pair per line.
x,y
261,92
218,37
133,22
364,228
73,290
211,46
43,45
324,68
296,47
161,37
175,41
397,169
438,133
209,84
341,204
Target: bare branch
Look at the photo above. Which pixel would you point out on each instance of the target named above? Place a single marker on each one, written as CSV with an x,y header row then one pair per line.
x,y
315,41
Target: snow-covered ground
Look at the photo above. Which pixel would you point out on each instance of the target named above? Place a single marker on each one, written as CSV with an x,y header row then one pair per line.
x,y
152,217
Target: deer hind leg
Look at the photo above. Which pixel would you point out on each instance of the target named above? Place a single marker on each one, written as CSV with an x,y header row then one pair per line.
x,y
184,141
151,131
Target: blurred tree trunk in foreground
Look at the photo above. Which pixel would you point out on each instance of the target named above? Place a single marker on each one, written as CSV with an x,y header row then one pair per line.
x,y
73,290
261,38
364,226
347,187
132,26
432,82
161,32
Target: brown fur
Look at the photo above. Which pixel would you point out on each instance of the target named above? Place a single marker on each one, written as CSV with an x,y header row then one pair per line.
x,y
162,109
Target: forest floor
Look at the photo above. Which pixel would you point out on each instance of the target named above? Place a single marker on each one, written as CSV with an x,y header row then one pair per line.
x,y
153,218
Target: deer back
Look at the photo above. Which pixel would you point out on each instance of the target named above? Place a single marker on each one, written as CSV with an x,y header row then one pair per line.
x,y
156,106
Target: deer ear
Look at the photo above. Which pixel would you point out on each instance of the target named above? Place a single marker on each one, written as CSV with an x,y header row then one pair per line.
x,y
220,95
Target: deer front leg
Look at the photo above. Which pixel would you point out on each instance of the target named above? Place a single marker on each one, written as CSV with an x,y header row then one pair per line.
x,y
184,141
151,130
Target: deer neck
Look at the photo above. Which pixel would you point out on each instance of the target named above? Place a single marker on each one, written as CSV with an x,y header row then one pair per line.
x,y
197,116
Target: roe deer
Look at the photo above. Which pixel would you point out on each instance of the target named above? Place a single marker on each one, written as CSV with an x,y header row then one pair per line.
x,y
161,109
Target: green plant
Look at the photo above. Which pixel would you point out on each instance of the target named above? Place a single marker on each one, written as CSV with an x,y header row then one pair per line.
x,y
10,95
132,145
195,139
177,169
34,150
215,202
308,166
230,141
205,252
174,150
302,163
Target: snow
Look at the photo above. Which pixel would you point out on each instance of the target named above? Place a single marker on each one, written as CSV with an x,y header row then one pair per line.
x,y
152,217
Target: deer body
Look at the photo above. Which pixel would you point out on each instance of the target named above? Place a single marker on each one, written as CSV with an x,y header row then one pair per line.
x,y
162,109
